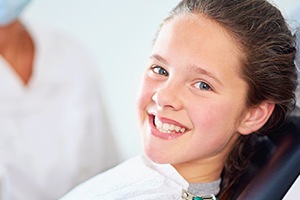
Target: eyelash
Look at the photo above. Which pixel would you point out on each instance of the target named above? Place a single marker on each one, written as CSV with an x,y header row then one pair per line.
x,y
203,86
159,70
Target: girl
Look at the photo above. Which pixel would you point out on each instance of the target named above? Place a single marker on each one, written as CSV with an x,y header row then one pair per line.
x,y
220,74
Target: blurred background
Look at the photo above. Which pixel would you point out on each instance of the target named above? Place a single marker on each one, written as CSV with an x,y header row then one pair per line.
x,y
119,35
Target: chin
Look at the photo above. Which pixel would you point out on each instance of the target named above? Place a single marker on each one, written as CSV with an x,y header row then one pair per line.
x,y
156,156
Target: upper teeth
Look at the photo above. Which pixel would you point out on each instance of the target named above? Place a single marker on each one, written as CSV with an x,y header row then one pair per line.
x,y
167,128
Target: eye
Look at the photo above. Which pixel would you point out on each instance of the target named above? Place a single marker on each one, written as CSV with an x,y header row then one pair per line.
x,y
159,70
202,86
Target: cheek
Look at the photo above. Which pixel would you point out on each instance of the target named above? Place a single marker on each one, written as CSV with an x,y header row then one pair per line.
x,y
215,118
144,97
213,130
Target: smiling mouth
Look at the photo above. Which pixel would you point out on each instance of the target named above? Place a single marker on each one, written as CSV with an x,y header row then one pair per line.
x,y
167,127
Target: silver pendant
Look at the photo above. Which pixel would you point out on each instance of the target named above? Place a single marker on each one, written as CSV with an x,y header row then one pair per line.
x,y
188,196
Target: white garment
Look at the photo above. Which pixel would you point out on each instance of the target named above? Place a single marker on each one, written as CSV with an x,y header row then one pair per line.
x,y
53,133
135,179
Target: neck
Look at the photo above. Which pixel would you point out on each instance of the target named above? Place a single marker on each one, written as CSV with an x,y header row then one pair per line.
x,y
203,171
207,169
8,35
16,47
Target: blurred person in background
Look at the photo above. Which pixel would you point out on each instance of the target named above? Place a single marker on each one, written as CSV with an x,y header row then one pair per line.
x,y
54,132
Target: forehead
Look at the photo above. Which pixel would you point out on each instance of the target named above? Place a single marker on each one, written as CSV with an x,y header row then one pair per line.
x,y
197,38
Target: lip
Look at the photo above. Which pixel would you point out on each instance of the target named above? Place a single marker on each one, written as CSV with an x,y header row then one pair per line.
x,y
161,135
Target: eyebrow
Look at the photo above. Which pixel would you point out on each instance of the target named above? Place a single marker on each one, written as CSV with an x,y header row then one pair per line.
x,y
199,70
190,68
159,58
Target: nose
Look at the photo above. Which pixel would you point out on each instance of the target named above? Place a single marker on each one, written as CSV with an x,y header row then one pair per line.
x,y
167,98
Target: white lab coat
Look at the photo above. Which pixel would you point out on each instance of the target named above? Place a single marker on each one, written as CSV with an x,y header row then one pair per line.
x,y
53,132
135,179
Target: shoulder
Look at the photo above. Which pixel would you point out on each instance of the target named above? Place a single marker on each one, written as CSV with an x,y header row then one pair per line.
x,y
60,46
134,178
62,54
51,36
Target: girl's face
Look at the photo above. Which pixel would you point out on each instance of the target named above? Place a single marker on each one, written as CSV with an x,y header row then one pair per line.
x,y
192,98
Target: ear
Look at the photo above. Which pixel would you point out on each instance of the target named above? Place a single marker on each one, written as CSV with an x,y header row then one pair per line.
x,y
256,117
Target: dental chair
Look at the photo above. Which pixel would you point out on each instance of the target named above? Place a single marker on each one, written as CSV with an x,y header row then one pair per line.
x,y
274,167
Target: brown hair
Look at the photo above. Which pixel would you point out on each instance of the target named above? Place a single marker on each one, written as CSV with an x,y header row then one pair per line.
x,y
269,68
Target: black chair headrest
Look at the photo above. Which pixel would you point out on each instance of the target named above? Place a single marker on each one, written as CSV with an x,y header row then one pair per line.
x,y
275,166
